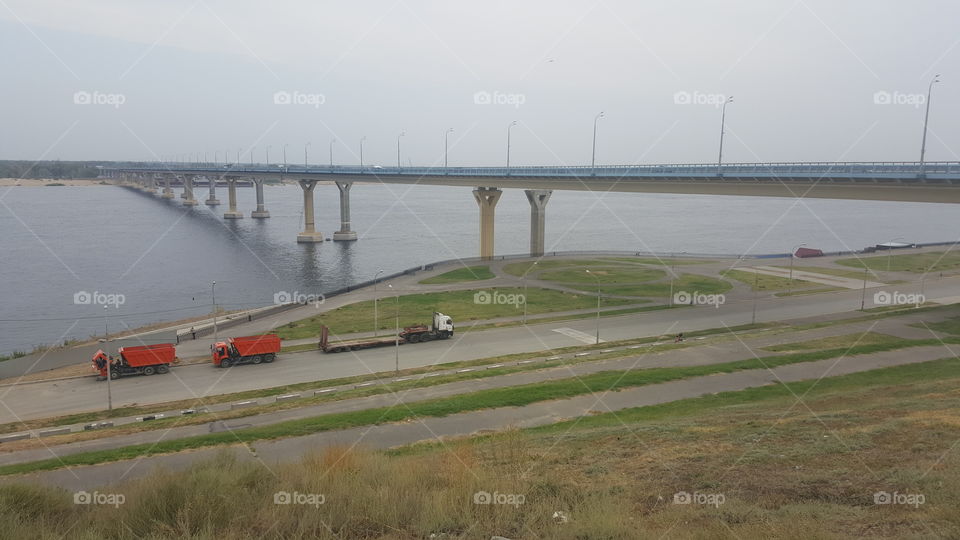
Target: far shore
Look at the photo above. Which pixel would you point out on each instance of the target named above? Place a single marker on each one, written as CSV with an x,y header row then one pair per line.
x,y
35,182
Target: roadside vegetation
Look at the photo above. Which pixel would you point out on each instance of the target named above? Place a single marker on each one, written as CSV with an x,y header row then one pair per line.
x,y
918,263
469,273
764,282
463,306
783,472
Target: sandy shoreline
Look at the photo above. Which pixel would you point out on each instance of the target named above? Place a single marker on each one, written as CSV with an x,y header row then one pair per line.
x,y
40,182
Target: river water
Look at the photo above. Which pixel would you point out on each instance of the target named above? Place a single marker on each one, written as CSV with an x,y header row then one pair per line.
x,y
57,242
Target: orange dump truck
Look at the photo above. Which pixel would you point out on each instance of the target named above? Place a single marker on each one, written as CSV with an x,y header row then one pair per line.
x,y
139,360
246,350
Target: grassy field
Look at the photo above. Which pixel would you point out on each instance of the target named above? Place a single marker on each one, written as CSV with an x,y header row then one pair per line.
x,y
520,268
848,340
419,308
783,471
763,282
470,273
664,261
830,271
606,275
915,262
628,282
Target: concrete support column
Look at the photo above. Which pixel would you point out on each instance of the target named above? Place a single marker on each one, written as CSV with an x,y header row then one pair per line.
x,y
232,213
167,190
487,199
212,197
538,212
344,234
309,234
187,195
152,183
261,211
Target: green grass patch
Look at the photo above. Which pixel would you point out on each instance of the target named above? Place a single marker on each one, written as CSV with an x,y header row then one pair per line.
x,y
470,273
763,282
831,271
606,275
685,282
419,308
918,263
515,396
656,262
521,268
949,326
833,342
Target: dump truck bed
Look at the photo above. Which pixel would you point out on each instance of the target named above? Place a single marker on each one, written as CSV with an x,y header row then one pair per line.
x,y
253,345
149,355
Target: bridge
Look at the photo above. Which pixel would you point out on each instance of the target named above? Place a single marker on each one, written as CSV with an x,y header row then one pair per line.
x,y
937,181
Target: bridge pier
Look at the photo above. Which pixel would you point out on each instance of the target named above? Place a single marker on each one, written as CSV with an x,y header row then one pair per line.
x,y
167,190
187,194
538,213
212,197
487,199
309,234
261,211
232,213
344,234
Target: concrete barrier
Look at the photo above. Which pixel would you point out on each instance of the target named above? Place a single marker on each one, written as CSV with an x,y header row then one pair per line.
x,y
288,397
52,432
242,404
324,391
14,437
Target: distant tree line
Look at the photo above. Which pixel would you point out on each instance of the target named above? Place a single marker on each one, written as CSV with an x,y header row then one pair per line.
x,y
54,169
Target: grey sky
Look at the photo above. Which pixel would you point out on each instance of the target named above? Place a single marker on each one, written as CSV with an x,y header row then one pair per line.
x,y
200,76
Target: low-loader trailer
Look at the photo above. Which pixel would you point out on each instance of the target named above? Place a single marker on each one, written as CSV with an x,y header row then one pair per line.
x,y
440,328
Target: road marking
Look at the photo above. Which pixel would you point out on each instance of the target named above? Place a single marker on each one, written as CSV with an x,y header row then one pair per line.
x,y
578,335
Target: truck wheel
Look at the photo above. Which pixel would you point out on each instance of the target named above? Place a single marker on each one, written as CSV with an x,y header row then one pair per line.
x,y
225,363
163,369
269,358
114,374
256,359
413,338
149,370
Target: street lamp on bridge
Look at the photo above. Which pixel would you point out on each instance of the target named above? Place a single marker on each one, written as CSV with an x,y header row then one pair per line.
x,y
331,151
305,154
402,133
508,144
593,155
268,154
723,117
285,145
926,116
446,146
361,150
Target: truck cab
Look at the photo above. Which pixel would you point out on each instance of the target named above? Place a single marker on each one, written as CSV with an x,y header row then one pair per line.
x,y
442,324
220,351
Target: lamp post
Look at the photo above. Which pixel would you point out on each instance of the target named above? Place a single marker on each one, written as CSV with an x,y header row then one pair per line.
x,y
376,323
396,358
598,304
402,133
268,154
723,117
331,151
756,285
213,296
446,146
593,155
285,145
926,116
106,341
508,144
890,250
863,295
305,154
361,151
792,254
252,149
524,279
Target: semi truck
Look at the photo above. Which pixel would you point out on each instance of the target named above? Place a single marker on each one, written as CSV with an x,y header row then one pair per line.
x,y
138,360
440,328
246,350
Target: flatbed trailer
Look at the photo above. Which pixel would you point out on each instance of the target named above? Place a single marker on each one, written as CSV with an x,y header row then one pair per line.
x,y
441,328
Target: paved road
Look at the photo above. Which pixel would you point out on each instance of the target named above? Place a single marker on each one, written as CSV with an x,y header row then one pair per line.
x,y
44,399
269,453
